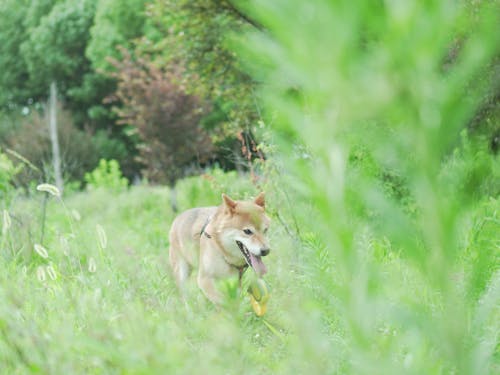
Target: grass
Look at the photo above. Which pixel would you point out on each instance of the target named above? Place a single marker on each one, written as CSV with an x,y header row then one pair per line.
x,y
385,227
125,317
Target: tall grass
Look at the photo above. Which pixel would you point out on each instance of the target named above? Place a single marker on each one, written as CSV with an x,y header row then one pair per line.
x,y
97,297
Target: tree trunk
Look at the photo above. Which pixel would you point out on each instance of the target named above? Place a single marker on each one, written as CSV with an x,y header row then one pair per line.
x,y
56,155
173,197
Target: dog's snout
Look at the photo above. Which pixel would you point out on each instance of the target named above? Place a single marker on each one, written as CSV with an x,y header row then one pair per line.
x,y
264,251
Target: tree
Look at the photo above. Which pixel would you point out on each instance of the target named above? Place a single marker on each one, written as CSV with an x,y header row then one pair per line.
x,y
14,82
44,41
167,119
47,40
116,23
31,140
195,35
54,51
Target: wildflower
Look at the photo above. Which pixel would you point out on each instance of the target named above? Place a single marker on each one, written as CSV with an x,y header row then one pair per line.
x,y
6,221
76,215
101,234
52,272
92,266
64,245
48,188
42,251
40,274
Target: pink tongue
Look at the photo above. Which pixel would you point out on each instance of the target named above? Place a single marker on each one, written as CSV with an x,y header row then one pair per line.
x,y
257,264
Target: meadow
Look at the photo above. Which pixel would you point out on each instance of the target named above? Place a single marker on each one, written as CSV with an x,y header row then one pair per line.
x,y
101,300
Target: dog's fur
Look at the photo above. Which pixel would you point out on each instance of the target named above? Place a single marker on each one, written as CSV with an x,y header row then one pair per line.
x,y
214,240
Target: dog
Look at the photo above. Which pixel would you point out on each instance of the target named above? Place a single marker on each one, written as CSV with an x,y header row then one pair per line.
x,y
220,242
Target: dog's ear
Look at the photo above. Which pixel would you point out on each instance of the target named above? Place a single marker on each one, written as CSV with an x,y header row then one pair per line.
x,y
260,200
228,202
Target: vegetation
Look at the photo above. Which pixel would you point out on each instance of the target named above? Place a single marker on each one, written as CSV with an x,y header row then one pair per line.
x,y
74,43
390,65
107,175
166,118
372,126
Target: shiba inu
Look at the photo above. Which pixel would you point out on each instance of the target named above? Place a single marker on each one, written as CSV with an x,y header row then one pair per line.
x,y
220,242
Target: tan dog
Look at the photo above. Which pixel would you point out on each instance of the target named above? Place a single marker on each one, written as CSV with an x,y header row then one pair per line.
x,y
220,241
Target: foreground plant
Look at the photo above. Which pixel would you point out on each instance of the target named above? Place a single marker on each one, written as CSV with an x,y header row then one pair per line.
x,y
386,78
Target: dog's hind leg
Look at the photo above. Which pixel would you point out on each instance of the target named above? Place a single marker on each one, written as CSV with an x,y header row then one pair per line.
x,y
180,268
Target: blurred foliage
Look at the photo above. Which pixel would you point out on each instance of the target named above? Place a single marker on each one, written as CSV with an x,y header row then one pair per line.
x,y
44,41
481,257
31,142
13,70
352,83
471,170
53,49
48,45
107,175
194,35
207,189
116,23
71,42
8,171
165,117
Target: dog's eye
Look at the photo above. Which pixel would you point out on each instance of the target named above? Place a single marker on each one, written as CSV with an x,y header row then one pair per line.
x,y
247,231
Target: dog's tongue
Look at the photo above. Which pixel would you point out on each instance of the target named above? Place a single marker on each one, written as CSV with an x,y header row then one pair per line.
x,y
257,264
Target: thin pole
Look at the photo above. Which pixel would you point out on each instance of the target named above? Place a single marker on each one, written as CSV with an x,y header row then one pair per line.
x,y
56,156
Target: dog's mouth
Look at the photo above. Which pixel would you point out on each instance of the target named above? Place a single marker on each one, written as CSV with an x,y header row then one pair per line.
x,y
254,261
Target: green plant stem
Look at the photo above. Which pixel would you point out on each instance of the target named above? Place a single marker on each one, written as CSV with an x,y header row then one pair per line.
x,y
44,215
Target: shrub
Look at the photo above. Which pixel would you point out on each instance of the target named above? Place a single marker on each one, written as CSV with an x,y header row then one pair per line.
x,y
107,175
7,173
118,147
30,139
166,118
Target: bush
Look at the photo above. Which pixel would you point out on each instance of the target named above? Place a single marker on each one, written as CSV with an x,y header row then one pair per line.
x,y
166,118
30,139
207,189
7,173
107,175
119,147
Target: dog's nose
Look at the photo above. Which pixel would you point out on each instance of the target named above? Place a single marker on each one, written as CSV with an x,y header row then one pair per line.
x,y
264,251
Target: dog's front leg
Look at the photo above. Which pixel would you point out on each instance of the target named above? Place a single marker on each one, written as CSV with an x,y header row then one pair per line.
x,y
207,285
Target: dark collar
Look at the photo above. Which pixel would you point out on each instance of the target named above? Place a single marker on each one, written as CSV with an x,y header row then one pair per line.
x,y
204,227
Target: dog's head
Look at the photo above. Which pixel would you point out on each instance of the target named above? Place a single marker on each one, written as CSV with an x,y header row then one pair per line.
x,y
243,230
